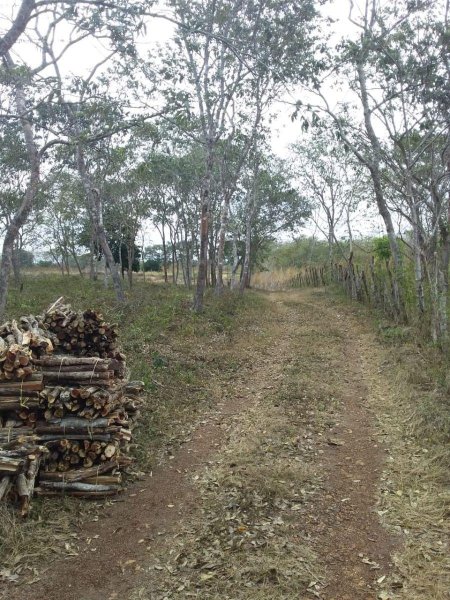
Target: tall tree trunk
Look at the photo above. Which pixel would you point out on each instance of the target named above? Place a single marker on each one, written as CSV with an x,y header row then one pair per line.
x,y
349,231
383,209
130,257
105,273
330,244
221,246
203,259
235,267
212,260
174,261
16,264
95,209
245,278
418,275
188,261
163,239
77,262
92,269
20,218
143,256
204,230
121,265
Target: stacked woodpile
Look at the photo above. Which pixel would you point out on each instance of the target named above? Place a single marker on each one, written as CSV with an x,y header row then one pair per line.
x,y
83,333
67,409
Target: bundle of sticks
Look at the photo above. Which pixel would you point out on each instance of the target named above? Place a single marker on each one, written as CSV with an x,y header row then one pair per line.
x,y
18,347
97,481
81,428
19,467
82,333
70,370
77,408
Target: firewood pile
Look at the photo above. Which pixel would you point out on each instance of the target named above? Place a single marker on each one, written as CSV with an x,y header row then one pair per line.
x,y
67,409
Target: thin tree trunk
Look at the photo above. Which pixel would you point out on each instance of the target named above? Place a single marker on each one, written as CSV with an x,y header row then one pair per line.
x,y
174,260
330,244
77,262
212,261
105,272
188,261
245,278
418,275
350,233
92,269
204,230
95,205
21,216
383,209
163,238
143,256
221,247
235,267
121,267
130,256
16,265
203,259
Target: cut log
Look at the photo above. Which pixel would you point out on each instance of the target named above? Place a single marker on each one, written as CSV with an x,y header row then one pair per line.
x,y
5,484
8,403
82,474
10,464
77,486
91,495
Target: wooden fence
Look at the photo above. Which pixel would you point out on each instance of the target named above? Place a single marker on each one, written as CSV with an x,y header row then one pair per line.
x,y
370,283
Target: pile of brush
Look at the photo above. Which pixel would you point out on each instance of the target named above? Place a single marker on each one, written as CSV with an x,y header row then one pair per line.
x,y
66,417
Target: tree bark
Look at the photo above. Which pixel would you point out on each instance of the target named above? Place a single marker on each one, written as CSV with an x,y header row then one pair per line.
x,y
203,259
235,267
245,279
16,264
164,245
212,260
375,172
95,206
17,27
20,218
130,256
221,246
204,230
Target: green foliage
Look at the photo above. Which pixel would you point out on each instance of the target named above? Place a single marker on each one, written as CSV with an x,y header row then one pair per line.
x,y
381,248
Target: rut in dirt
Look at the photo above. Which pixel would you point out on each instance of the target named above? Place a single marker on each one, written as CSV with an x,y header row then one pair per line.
x,y
324,345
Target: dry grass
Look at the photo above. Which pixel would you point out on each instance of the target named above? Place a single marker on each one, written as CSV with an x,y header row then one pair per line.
x,y
274,280
414,494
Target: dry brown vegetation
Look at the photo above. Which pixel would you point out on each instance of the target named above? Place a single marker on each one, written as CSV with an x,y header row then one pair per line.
x,y
413,414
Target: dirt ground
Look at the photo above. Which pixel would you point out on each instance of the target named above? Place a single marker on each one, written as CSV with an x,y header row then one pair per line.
x,y
300,416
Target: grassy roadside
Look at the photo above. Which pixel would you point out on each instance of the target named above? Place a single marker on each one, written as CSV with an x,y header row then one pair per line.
x,y
411,401
181,357
414,418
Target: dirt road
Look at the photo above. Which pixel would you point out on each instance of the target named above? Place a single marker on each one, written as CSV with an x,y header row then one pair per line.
x,y
274,494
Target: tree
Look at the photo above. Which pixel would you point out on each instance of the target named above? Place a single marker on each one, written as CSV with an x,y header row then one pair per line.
x,y
234,53
332,180
29,91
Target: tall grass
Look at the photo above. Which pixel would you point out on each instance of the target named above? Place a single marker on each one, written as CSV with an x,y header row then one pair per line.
x,y
278,279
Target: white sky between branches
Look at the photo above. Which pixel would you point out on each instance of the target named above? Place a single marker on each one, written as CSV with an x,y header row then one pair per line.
x,y
285,132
